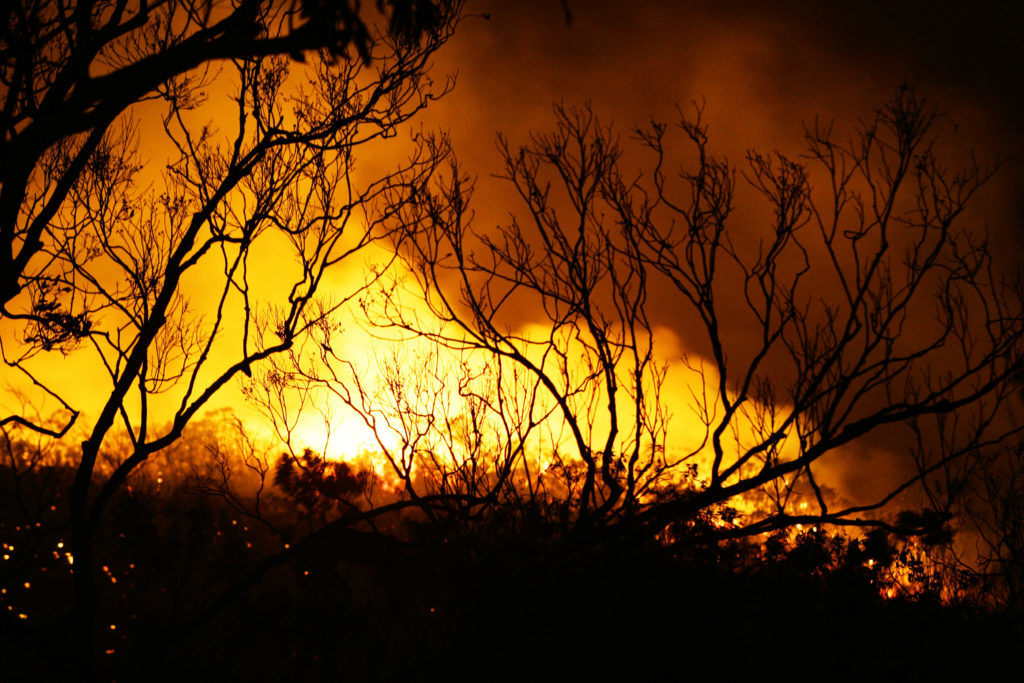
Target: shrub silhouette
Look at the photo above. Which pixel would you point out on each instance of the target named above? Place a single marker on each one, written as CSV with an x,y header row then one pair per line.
x,y
315,483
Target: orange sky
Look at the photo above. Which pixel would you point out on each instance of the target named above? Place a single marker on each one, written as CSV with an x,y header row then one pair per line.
x,y
762,69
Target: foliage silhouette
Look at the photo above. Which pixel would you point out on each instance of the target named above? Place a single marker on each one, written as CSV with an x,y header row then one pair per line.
x,y
866,311
442,604
849,315
101,253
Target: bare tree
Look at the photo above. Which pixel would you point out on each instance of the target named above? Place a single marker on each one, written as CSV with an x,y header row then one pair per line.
x,y
863,309
261,107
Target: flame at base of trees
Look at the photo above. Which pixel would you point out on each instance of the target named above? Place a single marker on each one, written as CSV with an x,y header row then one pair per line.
x,y
827,307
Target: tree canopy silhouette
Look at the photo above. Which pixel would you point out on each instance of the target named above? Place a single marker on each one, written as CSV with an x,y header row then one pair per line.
x,y
862,309
179,178
155,269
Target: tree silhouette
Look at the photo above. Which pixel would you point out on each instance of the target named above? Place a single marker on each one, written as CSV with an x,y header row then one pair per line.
x,y
178,180
863,308
259,107
525,417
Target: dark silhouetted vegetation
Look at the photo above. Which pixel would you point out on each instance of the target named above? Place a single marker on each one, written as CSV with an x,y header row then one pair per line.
x,y
201,587
527,511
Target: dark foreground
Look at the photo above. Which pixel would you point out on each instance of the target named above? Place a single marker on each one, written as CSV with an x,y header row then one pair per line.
x,y
192,588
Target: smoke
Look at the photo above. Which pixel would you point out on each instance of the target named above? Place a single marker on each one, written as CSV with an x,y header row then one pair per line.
x,y
760,71
761,68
